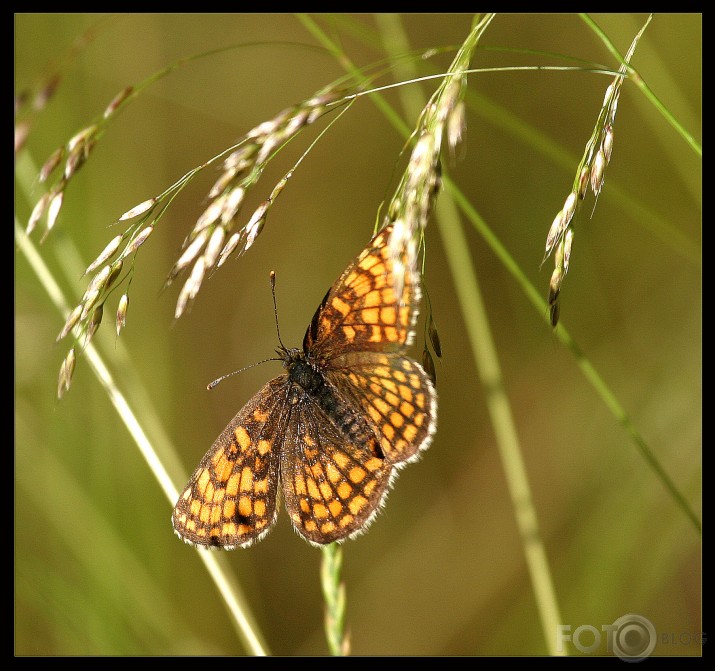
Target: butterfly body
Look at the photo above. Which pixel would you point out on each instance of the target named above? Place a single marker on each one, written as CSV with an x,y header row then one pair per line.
x,y
330,432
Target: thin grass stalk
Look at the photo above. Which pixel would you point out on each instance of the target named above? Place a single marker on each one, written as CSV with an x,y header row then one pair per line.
x,y
334,595
238,610
486,362
594,378
645,89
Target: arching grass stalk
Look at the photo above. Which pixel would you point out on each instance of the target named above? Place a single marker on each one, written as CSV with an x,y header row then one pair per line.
x,y
230,593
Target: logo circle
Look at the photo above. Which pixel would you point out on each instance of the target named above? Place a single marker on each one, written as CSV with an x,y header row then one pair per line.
x,y
634,637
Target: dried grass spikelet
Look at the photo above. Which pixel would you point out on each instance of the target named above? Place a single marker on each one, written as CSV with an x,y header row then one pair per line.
x,y
212,240
590,172
411,206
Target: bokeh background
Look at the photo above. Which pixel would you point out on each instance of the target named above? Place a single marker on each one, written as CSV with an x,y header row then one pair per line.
x,y
98,570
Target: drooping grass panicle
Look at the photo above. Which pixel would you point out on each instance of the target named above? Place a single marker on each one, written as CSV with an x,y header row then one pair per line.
x,y
590,173
443,116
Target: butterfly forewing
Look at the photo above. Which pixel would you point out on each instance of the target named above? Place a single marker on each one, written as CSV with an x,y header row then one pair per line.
x,y
362,312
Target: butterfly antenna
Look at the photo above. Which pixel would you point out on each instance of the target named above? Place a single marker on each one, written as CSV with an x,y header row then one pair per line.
x,y
275,308
211,385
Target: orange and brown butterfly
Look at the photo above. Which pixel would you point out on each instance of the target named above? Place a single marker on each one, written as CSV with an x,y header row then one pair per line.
x,y
331,431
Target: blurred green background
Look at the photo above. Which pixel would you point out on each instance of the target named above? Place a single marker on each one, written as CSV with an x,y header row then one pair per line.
x,y
98,570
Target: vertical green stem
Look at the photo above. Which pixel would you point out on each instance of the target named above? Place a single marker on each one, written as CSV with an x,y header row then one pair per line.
x,y
334,595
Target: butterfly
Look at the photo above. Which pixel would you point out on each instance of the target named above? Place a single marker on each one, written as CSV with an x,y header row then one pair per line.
x,y
330,432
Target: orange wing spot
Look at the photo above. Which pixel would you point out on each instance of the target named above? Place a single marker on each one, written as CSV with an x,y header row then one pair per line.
x,y
326,324
304,505
215,514
390,386
405,392
244,506
373,464
388,296
346,520
259,507
244,529
388,431
374,413
399,376
244,440
310,454
344,490
299,485
209,492
335,507
376,334
182,519
407,409
409,432
260,415
326,490
310,525
370,316
357,474
420,400
327,527
229,508
246,479
383,372
191,525
375,388
391,334
400,445
341,306
261,523
319,510
313,490
369,487
357,504
388,315
369,261
397,420
223,469
264,447
381,405
415,381
201,533
349,332
205,514
404,316
392,399
372,299
232,485
260,486
362,287
215,531
332,472
228,529
341,459
218,495
195,507
217,457
385,444
203,480
418,419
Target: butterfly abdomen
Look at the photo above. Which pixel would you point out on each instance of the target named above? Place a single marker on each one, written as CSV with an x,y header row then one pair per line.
x,y
346,419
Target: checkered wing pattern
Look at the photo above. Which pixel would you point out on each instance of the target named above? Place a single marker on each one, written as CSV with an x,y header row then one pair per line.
x,y
395,395
230,500
362,312
332,487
